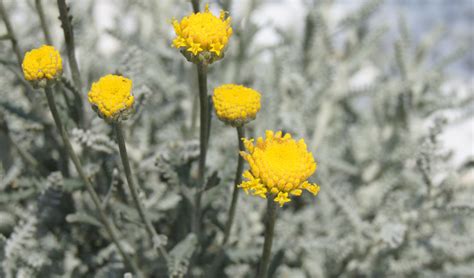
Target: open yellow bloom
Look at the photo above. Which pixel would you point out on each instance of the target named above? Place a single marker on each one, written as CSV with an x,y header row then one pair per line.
x,y
111,97
236,104
202,33
279,165
42,66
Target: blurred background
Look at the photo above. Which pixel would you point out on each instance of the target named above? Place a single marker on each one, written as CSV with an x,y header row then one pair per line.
x,y
381,91
454,20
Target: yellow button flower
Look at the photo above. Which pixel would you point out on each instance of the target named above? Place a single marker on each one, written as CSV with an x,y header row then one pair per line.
x,y
112,97
202,36
42,66
236,104
279,165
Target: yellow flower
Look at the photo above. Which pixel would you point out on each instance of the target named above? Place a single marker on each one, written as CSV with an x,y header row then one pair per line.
x,y
202,33
42,66
111,97
279,165
236,104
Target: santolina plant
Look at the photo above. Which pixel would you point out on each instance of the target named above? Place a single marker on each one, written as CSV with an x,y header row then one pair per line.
x,y
43,67
279,165
111,97
107,169
202,38
235,105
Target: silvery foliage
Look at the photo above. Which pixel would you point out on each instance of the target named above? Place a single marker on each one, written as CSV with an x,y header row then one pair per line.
x,y
391,203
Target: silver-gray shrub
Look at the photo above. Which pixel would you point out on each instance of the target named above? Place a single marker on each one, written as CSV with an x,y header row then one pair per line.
x,y
391,204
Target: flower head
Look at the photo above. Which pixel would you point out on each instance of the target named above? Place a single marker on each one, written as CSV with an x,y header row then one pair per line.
x,y
279,165
42,66
202,36
236,104
112,97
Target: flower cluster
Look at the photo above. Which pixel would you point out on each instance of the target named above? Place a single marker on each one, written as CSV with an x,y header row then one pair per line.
x,y
42,66
111,97
279,165
202,36
236,104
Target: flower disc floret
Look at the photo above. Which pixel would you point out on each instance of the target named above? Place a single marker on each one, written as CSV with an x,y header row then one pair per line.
x,y
42,66
202,36
112,97
279,166
236,104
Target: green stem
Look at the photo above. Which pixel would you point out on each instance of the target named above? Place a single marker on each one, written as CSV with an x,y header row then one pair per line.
x,y
195,4
44,24
69,39
90,188
269,231
133,189
233,205
66,25
238,180
203,140
227,5
73,89
194,110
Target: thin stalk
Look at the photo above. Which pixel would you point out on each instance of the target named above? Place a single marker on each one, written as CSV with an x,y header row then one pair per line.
x,y
309,28
5,144
65,19
133,189
269,231
66,25
233,205
44,24
194,110
238,180
90,188
76,93
195,4
203,139
227,5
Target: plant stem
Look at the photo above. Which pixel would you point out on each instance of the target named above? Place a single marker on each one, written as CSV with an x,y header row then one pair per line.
x,y
90,188
238,180
269,231
203,138
69,39
194,110
133,189
65,19
227,5
44,24
233,205
195,4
